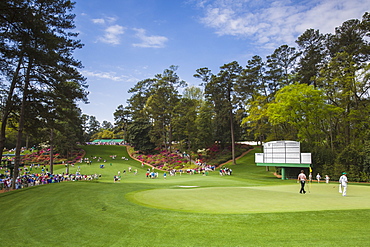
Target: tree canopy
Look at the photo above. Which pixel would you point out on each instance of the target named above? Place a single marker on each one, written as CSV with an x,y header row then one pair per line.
x,y
40,76
316,93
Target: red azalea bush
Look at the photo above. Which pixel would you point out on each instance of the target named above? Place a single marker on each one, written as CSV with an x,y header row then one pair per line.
x,y
43,156
215,155
165,160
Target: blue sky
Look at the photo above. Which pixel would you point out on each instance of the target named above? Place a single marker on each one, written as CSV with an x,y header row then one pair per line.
x,y
126,41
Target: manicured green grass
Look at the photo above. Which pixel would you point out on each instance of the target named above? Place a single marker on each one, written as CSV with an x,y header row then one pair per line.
x,y
253,199
249,208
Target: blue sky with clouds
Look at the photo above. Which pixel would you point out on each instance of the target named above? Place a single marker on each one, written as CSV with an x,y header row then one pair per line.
x,y
126,41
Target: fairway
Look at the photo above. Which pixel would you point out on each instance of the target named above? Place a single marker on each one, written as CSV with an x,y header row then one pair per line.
x,y
250,208
262,199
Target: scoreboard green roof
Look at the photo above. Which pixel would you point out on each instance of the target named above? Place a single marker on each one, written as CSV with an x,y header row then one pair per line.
x,y
109,140
283,164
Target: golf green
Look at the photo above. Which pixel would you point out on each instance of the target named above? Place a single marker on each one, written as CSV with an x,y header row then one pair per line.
x,y
259,199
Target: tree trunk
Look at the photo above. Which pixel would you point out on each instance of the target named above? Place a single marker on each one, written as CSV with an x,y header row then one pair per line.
x,y
21,125
52,151
170,138
8,106
232,137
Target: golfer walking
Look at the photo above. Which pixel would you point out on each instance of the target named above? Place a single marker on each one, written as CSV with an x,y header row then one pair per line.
x,y
302,179
343,181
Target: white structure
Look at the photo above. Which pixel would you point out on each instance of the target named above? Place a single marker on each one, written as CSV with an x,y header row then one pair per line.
x,y
283,154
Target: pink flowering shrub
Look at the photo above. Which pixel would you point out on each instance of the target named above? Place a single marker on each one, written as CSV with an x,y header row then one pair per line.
x,y
214,155
165,160
43,156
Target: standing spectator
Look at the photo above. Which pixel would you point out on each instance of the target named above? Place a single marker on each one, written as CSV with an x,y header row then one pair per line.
x,y
302,179
343,181
318,177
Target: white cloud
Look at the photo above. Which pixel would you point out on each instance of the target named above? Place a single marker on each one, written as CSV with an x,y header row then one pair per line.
x,y
149,41
112,32
109,76
112,35
111,19
272,23
105,20
98,21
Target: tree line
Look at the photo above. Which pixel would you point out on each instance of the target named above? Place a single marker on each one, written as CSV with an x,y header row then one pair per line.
x,y
39,77
316,92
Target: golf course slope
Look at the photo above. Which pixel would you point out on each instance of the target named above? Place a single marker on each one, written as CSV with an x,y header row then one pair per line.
x,y
250,208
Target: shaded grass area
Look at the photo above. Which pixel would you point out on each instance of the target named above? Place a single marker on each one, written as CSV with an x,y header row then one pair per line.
x,y
101,213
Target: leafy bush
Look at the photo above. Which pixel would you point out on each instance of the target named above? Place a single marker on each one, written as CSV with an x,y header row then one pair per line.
x,y
214,155
164,160
43,156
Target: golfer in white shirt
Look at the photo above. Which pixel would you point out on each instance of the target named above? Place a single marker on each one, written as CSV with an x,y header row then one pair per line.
x,y
343,181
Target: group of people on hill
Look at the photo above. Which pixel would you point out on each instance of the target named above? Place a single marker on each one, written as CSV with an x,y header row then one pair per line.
x,y
111,143
34,179
225,171
150,173
117,178
343,182
89,161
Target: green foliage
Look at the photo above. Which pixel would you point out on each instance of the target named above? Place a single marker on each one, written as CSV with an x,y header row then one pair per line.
x,y
204,123
104,134
217,155
312,44
317,94
304,108
351,161
139,135
365,174
41,77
